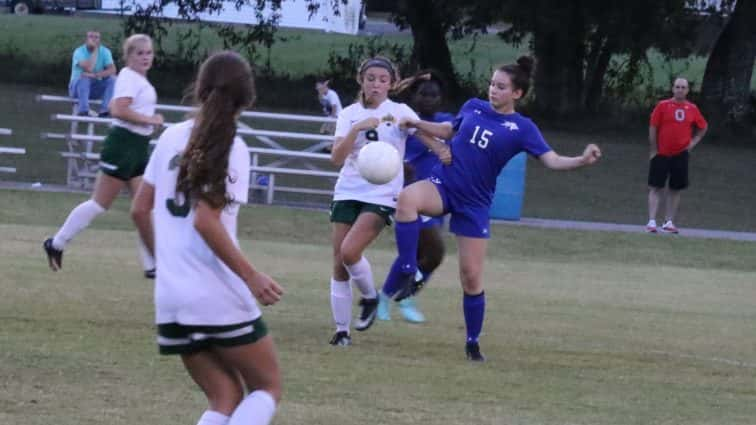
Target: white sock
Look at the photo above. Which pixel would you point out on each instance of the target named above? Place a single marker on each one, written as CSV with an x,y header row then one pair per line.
x,y
213,418
77,220
148,261
362,276
341,304
257,408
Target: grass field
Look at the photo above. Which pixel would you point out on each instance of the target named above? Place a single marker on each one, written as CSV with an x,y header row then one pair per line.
x,y
581,328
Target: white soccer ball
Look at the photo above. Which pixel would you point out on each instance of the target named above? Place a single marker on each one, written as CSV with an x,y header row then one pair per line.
x,y
378,162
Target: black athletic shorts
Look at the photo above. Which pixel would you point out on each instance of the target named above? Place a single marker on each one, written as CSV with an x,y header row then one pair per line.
x,y
673,167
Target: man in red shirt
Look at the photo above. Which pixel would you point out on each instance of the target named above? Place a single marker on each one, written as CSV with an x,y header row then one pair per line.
x,y
677,126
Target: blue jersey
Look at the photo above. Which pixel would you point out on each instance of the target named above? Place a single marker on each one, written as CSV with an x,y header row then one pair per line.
x,y
484,142
418,155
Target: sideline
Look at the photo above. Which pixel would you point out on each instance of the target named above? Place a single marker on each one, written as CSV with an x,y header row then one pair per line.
x,y
525,221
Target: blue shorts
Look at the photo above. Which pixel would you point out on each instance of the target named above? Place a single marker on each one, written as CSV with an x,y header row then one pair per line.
x,y
466,220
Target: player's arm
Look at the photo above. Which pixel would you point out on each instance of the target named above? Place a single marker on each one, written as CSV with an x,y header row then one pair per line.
x,y
342,146
652,141
442,130
141,214
438,147
208,224
119,108
107,72
554,161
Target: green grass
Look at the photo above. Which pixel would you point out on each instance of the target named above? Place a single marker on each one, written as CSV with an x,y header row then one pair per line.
x,y
581,328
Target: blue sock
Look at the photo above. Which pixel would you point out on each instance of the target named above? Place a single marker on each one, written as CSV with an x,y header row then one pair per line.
x,y
407,234
474,307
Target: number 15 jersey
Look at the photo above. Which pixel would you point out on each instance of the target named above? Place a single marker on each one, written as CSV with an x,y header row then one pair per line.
x,y
484,142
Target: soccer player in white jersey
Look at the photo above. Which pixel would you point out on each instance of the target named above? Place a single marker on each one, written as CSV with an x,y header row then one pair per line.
x,y
125,150
360,210
205,290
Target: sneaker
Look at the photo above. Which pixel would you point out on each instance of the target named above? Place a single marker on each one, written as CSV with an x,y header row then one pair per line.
x,y
54,256
341,338
651,226
409,310
367,315
419,282
384,307
407,287
105,114
472,350
669,227
149,274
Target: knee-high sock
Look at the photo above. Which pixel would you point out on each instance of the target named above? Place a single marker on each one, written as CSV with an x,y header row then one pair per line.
x,y
257,408
148,261
362,275
341,304
474,307
407,235
213,418
77,220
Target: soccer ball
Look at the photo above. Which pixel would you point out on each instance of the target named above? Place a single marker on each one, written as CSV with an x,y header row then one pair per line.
x,y
378,162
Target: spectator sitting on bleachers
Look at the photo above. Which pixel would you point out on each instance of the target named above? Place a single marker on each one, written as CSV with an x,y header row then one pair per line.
x,y
92,75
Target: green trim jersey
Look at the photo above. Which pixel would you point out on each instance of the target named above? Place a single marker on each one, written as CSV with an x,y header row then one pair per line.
x,y
143,97
193,286
350,184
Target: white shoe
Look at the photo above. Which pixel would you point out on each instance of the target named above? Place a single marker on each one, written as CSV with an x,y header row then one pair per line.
x,y
651,226
669,227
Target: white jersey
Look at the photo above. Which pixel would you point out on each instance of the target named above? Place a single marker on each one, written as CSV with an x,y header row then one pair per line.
x,y
193,286
143,98
350,184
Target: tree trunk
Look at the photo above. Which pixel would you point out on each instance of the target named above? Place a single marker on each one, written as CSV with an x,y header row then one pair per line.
x,y
727,79
558,43
430,49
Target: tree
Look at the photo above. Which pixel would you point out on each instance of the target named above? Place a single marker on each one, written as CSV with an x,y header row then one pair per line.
x,y
727,78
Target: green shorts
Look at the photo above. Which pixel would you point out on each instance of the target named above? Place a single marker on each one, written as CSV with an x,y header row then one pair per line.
x,y
348,211
124,154
175,338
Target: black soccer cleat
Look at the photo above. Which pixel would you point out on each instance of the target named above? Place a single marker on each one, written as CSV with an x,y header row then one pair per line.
x,y
341,338
54,256
407,287
367,315
472,350
149,274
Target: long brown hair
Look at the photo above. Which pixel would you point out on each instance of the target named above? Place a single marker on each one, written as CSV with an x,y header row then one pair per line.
x,y
520,73
223,88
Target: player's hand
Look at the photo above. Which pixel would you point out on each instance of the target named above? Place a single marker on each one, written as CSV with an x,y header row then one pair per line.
x,y
157,120
591,154
367,124
266,290
406,123
444,153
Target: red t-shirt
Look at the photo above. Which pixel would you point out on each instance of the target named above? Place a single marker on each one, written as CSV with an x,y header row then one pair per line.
x,y
674,122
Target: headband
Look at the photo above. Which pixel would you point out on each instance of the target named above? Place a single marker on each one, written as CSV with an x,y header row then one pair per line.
x,y
378,63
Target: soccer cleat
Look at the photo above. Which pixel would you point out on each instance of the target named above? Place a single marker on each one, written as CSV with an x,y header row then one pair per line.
x,y
150,274
384,307
407,287
669,227
651,226
409,310
367,315
472,350
341,338
54,256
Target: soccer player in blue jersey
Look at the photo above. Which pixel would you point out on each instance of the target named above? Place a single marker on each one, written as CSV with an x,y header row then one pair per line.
x,y
484,137
423,92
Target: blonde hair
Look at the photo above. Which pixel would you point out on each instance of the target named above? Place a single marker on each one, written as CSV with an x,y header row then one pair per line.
x,y
130,44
